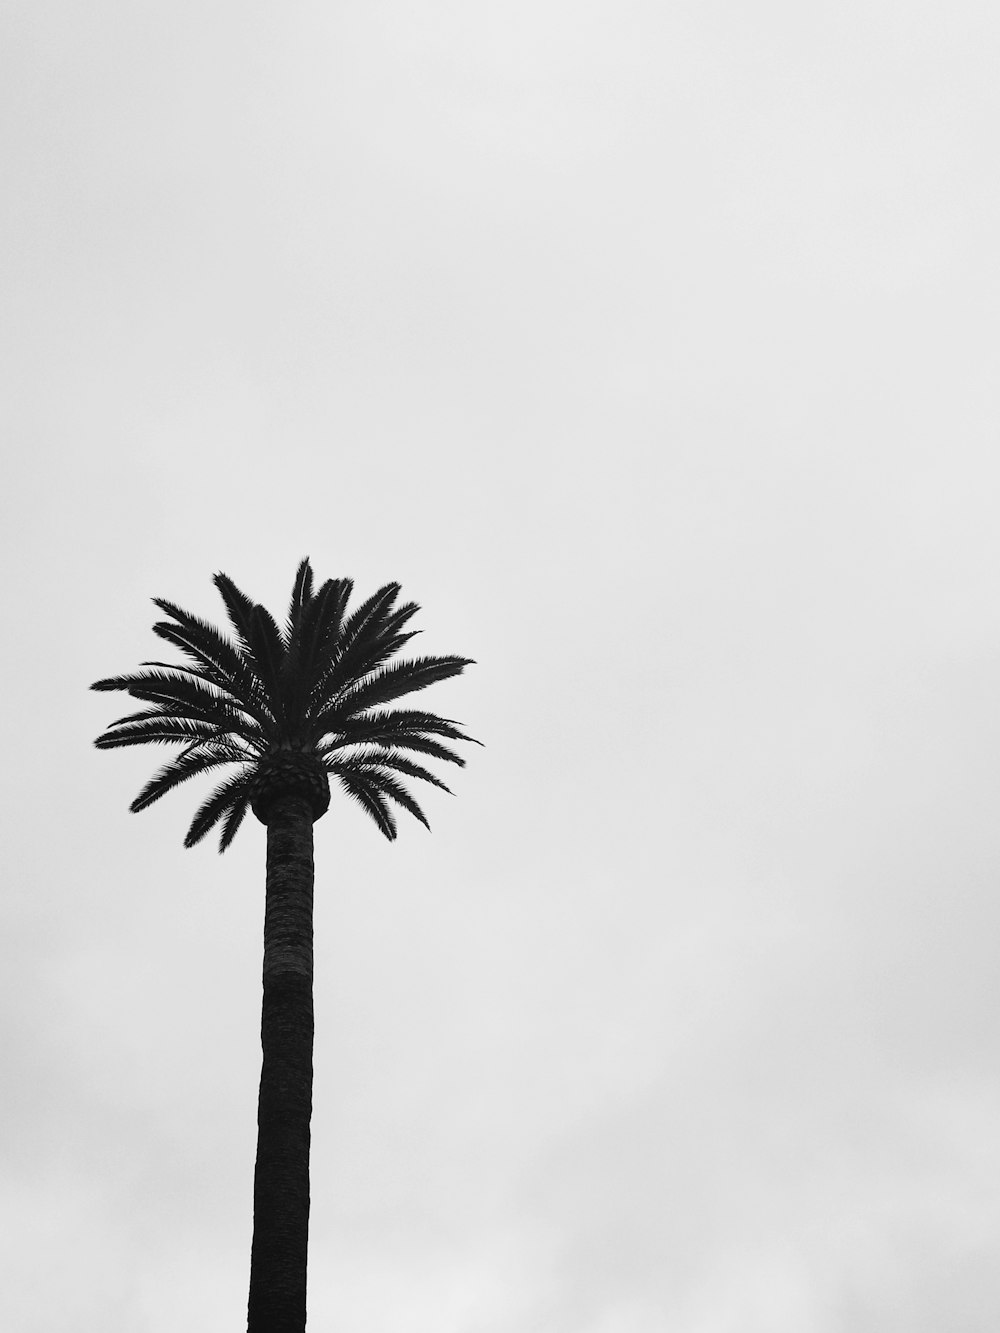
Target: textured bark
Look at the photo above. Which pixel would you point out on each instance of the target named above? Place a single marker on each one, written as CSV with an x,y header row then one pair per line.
x,y
281,1178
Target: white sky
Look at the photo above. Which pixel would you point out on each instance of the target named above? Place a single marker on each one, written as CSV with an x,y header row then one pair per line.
x,y
653,349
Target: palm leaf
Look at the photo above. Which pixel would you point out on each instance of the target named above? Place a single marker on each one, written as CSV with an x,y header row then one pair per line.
x,y
166,730
379,640
364,760
223,799
225,664
301,597
370,799
388,786
239,608
168,681
357,641
386,725
322,622
186,765
402,678
268,651
182,695
237,810
407,741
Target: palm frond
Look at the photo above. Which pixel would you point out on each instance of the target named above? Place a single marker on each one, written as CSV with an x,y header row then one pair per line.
x,y
268,651
324,618
400,616
301,597
237,811
317,638
370,799
196,759
169,681
357,645
425,745
223,799
375,759
371,768
395,790
182,695
406,741
257,722
412,770
167,730
185,693
401,678
378,639
291,639
366,658
227,719
373,609
205,642
204,673
218,659
109,683
387,724
239,608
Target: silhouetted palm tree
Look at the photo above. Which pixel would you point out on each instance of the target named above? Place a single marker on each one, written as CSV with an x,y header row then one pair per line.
x,y
287,708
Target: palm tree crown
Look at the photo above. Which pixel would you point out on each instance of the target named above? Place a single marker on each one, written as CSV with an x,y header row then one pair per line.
x,y
289,707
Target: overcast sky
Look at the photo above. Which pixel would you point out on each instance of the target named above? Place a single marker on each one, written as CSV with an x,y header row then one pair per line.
x,y
653,348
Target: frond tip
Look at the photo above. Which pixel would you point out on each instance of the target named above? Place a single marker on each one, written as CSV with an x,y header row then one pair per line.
x,y
306,697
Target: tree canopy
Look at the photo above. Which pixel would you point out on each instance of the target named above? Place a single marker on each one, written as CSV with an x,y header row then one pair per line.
x,y
311,696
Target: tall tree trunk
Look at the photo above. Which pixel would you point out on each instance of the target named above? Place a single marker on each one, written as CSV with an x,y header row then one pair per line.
x,y
281,1178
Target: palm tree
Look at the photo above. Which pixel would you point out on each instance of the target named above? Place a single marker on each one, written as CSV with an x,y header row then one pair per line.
x,y
286,709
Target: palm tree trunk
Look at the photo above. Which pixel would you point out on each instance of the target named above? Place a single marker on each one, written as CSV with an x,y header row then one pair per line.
x,y
281,1178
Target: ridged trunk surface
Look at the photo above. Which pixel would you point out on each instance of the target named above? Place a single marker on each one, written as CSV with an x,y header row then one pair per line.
x,y
281,1178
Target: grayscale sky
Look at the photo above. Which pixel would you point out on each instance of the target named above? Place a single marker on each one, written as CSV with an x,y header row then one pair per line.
x,y
653,348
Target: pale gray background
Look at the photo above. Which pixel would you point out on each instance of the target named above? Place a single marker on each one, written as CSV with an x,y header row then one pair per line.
x,y
653,347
